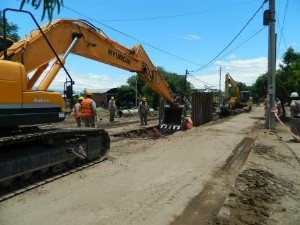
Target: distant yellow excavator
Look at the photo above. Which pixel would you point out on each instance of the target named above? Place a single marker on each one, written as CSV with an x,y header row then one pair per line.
x,y
23,63
234,98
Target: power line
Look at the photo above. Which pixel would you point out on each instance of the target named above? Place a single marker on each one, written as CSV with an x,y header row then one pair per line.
x,y
168,53
252,36
133,38
175,15
281,28
203,82
204,66
244,42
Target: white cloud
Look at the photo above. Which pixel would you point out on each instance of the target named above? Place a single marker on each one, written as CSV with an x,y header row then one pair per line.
x,y
231,56
191,37
93,82
245,71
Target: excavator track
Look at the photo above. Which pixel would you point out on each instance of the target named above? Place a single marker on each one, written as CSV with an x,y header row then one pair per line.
x,y
31,152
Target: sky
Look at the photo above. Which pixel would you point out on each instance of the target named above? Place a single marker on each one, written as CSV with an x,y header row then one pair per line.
x,y
205,38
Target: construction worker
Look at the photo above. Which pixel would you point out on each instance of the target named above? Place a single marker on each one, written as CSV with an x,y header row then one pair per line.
x,y
250,103
112,109
278,106
143,111
76,111
88,110
295,114
265,103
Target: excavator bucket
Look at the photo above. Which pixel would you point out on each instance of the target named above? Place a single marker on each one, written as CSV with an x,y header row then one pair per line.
x,y
172,119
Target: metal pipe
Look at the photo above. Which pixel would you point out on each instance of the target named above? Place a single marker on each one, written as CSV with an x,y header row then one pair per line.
x,y
129,112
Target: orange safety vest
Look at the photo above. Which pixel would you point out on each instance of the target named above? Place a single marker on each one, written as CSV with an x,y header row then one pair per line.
x,y
86,109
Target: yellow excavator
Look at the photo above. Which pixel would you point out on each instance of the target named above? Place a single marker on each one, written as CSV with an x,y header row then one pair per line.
x,y
234,98
25,102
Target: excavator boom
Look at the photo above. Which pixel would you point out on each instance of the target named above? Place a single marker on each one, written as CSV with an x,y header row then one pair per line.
x,y
81,38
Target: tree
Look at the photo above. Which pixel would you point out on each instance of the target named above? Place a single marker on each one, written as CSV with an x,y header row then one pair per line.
x,y
136,83
289,73
176,82
11,29
125,96
48,6
289,58
287,78
259,88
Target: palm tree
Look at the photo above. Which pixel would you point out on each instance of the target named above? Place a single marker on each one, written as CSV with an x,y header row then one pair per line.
x,y
48,6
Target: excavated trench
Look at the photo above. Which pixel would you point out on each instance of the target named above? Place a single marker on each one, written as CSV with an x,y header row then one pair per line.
x,y
144,133
203,209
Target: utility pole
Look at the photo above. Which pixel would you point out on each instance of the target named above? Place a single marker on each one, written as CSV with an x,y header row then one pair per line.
x,y
184,84
220,86
269,20
136,100
184,88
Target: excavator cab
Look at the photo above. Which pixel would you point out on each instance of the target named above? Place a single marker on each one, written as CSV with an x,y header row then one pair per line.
x,y
244,96
68,92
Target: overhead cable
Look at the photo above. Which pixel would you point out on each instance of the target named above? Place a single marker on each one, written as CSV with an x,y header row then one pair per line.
x,y
133,38
244,42
281,27
212,60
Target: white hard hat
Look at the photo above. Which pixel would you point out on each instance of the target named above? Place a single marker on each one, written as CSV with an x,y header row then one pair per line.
x,y
112,97
294,95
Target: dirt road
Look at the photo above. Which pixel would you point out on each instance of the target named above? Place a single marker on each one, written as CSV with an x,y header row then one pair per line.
x,y
180,179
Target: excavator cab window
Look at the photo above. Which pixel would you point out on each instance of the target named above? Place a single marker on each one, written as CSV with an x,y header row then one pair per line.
x,y
244,96
4,44
68,90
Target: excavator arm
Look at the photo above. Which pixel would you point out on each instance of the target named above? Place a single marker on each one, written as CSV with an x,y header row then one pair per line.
x,y
79,37
231,88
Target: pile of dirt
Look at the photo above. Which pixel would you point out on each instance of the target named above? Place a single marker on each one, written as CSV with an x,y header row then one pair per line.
x,y
252,197
266,190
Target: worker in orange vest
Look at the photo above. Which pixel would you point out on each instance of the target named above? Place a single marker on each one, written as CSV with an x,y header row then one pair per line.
x,y
88,111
